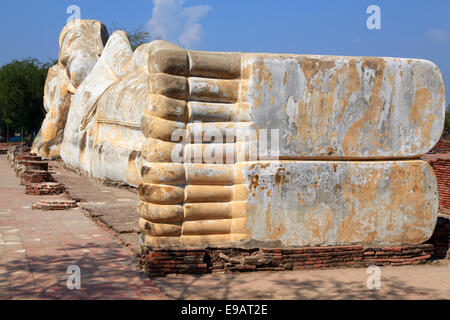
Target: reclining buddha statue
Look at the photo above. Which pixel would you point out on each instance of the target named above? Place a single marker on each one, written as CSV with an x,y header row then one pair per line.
x,y
248,149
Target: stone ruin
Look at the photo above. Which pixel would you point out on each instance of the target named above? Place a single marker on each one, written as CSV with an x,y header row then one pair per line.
x,y
249,150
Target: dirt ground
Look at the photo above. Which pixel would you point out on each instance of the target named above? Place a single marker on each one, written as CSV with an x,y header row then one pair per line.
x,y
406,282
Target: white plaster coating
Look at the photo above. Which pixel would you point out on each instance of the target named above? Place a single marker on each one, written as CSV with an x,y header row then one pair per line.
x,y
395,106
309,203
120,108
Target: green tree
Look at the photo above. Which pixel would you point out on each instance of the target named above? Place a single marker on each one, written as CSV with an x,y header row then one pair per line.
x,y
21,96
136,37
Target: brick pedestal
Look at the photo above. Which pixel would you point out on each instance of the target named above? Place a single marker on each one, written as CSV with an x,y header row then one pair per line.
x,y
16,150
28,158
160,262
45,188
54,205
31,165
35,176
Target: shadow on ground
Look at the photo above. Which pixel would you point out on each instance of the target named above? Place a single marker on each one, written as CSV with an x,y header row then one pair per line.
x,y
105,273
296,285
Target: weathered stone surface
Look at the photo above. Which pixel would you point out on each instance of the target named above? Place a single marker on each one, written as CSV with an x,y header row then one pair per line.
x,y
335,203
134,117
346,107
304,203
81,43
322,108
103,134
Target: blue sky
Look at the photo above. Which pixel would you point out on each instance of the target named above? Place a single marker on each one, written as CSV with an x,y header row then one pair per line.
x,y
413,29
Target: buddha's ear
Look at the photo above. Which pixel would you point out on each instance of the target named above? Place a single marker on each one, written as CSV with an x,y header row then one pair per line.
x,y
63,35
101,38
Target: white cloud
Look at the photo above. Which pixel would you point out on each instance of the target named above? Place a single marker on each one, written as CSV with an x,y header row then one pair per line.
x,y
439,35
175,23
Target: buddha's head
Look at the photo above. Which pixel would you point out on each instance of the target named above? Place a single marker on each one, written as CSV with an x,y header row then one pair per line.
x,y
80,45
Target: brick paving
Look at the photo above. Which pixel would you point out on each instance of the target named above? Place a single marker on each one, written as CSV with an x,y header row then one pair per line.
x,y
37,247
113,207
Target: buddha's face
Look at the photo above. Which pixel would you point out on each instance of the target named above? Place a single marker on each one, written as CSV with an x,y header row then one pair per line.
x,y
80,47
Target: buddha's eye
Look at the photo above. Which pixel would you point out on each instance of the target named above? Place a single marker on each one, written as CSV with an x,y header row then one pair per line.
x,y
71,38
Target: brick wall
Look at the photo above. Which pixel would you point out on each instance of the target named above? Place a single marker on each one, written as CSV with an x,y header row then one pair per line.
x,y
443,146
441,168
160,262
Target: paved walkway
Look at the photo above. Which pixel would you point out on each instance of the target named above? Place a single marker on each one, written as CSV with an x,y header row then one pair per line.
x,y
37,248
113,207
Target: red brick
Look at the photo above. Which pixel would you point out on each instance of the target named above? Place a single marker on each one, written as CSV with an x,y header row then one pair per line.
x,y
318,261
298,267
159,254
395,249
